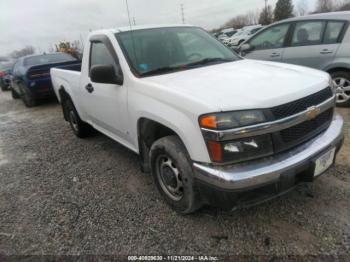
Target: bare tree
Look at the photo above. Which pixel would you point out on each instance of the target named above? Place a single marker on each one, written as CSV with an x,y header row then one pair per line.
x,y
28,50
344,6
238,21
253,17
302,8
324,6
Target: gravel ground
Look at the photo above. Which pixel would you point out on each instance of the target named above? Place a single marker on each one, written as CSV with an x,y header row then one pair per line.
x,y
60,195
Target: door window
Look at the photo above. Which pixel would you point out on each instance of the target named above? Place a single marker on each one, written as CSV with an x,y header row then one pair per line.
x,y
270,38
308,33
100,55
333,31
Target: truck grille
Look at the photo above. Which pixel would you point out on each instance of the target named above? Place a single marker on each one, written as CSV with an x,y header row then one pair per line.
x,y
296,135
302,104
297,132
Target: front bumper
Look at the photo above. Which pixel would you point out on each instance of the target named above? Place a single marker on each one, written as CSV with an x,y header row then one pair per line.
x,y
267,171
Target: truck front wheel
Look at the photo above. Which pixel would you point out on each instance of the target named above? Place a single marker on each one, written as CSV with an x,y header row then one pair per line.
x,y
79,127
173,174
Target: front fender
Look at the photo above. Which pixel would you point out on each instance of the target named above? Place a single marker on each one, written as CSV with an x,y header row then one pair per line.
x,y
184,124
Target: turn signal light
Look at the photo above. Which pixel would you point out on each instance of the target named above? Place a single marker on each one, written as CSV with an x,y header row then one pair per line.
x,y
208,122
215,150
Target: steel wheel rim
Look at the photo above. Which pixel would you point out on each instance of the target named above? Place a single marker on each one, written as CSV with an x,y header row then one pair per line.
x,y
169,178
342,86
73,120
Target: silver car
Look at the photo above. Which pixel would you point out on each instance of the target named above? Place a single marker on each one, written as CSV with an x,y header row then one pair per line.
x,y
321,41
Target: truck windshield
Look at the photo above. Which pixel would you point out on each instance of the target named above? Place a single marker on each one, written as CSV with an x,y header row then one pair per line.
x,y
164,50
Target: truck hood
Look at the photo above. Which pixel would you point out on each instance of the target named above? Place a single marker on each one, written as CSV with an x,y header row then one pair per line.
x,y
244,84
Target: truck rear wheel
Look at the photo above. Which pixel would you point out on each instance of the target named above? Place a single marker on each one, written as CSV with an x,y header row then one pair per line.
x,y
79,127
173,174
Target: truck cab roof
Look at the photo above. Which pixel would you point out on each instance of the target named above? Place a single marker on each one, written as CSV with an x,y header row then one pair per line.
x,y
139,27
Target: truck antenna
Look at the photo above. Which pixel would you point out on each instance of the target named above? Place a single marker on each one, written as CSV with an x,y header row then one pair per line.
x,y
128,10
131,30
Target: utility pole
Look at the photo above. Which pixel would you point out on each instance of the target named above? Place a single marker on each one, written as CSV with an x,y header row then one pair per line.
x,y
134,20
266,14
183,13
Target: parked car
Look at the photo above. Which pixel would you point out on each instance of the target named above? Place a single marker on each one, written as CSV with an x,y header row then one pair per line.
x,y
229,32
31,76
320,41
5,75
238,38
180,99
222,37
226,41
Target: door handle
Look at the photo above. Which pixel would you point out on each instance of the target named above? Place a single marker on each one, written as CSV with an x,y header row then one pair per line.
x,y
275,55
326,52
89,88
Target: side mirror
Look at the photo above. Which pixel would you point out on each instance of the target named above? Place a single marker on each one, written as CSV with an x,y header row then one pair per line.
x,y
105,74
246,48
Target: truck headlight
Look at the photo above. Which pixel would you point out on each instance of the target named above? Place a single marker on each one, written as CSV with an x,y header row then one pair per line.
x,y
222,121
240,150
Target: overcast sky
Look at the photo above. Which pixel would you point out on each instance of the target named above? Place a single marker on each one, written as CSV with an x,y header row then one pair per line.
x,y
42,23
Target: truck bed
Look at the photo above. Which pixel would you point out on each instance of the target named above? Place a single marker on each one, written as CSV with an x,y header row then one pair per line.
x,y
70,79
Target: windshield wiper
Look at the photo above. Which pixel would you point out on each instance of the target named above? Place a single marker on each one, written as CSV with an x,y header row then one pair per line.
x,y
168,69
208,61
161,70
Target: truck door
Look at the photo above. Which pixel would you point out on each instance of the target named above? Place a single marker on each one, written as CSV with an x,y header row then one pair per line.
x,y
105,104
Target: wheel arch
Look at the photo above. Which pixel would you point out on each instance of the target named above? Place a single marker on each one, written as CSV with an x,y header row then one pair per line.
x,y
149,131
64,96
338,69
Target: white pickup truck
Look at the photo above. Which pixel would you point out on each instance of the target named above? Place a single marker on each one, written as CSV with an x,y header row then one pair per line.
x,y
212,128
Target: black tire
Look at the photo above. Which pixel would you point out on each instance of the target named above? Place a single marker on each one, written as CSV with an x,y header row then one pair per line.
x,y
27,98
342,75
171,149
79,127
14,94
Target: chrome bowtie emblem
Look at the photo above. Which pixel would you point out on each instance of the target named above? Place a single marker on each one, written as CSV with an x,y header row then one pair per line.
x,y
313,112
